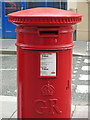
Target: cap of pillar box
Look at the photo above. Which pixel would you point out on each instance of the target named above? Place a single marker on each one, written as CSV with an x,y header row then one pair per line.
x,y
45,15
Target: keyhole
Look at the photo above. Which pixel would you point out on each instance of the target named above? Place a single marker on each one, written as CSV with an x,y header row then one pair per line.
x,y
67,86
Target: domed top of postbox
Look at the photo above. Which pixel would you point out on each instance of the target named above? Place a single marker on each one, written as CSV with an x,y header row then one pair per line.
x,y
44,15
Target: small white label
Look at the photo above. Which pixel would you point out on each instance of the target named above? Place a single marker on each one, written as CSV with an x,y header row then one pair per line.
x,y
47,64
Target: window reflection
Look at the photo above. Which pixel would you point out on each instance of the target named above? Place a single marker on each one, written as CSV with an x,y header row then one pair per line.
x,y
12,7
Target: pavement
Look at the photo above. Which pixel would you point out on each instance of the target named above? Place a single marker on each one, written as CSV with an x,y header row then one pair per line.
x,y
8,73
8,46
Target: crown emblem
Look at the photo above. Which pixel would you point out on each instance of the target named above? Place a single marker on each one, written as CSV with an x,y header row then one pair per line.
x,y
47,90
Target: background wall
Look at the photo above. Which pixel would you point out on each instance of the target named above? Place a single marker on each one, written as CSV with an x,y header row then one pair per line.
x,y
82,29
72,5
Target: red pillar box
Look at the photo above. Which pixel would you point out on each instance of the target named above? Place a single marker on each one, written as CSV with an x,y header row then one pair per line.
x,y
44,61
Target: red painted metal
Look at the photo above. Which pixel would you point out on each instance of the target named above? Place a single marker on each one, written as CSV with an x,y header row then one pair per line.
x,y
44,30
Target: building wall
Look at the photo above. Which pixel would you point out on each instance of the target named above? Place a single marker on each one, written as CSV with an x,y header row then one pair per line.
x,y
89,22
82,28
72,5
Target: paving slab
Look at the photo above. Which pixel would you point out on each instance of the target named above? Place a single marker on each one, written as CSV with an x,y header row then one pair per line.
x,y
14,115
72,111
7,46
8,82
8,106
8,76
8,62
82,89
80,47
84,77
81,112
0,110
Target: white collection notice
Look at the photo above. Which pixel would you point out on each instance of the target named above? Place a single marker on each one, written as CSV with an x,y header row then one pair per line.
x,y
47,64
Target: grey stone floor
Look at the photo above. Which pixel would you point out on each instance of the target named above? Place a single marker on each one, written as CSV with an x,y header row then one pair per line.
x,y
80,47
8,68
80,71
